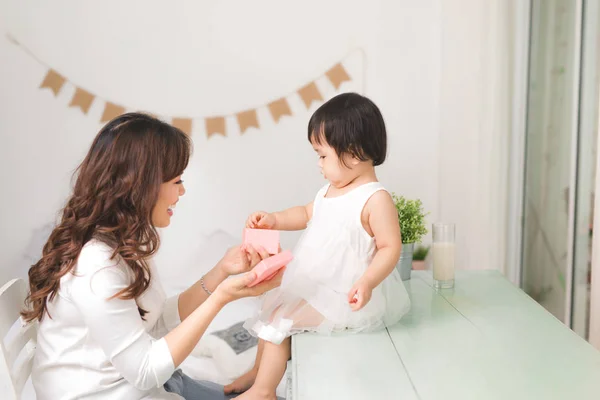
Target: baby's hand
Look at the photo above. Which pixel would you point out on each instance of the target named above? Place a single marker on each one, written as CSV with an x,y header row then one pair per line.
x,y
261,220
359,295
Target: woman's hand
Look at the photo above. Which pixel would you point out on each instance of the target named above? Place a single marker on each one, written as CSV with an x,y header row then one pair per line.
x,y
182,340
241,259
261,220
236,287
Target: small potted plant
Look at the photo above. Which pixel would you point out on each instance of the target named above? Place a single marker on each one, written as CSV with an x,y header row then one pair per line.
x,y
411,217
419,256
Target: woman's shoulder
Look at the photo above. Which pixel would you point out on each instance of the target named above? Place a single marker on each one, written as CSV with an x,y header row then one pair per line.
x,y
95,255
96,272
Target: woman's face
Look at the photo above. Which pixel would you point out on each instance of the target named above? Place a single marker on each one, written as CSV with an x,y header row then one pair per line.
x,y
168,196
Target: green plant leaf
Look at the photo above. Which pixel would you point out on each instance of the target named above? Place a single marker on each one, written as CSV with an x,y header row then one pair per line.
x,y
411,217
420,253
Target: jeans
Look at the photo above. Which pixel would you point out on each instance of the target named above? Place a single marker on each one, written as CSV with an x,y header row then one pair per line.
x,y
191,389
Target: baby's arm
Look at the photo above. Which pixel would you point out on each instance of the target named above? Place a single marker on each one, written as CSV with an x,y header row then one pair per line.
x,y
382,221
292,219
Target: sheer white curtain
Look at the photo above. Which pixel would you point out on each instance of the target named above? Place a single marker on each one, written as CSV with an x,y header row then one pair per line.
x,y
474,127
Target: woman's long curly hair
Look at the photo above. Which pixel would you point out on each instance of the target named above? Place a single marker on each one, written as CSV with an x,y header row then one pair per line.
x,y
115,193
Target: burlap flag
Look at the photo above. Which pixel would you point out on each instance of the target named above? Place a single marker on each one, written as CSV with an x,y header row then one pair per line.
x,y
54,81
111,111
185,124
215,125
310,93
82,99
279,108
337,75
247,119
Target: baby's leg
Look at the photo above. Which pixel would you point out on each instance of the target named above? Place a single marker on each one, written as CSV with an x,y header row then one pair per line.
x,y
273,361
305,316
245,381
272,367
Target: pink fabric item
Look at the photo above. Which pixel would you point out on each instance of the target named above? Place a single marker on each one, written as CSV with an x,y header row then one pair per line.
x,y
268,268
266,238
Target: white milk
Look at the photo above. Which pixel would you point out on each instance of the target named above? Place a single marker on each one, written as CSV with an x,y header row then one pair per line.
x,y
443,261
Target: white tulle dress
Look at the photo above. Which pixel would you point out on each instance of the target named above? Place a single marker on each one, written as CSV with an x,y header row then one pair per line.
x,y
332,254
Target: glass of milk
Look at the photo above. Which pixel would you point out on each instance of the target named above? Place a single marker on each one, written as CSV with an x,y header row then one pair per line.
x,y
443,255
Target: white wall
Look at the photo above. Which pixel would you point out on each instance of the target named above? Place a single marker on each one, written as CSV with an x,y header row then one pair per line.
x,y
424,67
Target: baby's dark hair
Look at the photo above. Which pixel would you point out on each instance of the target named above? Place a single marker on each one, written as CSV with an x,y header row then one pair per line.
x,y
351,124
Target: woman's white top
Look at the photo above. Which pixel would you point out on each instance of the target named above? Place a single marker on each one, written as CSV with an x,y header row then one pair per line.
x,y
95,346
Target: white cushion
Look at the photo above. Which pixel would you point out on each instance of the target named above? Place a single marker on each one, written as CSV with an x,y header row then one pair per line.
x,y
230,364
180,266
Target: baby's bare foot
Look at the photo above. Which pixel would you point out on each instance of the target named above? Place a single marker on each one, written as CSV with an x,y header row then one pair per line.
x,y
242,383
255,393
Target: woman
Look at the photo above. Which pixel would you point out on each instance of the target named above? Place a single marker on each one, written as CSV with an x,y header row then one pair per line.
x,y
105,328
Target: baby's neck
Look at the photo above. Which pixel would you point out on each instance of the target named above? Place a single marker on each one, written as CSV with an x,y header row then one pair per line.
x,y
366,176
365,173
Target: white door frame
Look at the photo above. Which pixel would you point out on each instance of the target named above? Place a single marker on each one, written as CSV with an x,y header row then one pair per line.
x,y
594,329
516,165
522,17
574,162
594,337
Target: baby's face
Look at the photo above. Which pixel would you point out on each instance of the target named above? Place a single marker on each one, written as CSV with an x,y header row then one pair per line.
x,y
338,173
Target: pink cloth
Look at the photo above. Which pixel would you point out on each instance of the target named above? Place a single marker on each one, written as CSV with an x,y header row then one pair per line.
x,y
266,238
268,267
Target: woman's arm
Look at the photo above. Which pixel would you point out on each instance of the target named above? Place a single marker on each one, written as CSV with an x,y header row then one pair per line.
x,y
190,299
115,324
235,261
183,339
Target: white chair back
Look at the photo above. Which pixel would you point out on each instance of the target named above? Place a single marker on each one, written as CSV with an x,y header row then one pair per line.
x,y
16,350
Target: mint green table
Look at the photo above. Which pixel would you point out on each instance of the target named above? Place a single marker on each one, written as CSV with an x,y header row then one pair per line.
x,y
484,339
